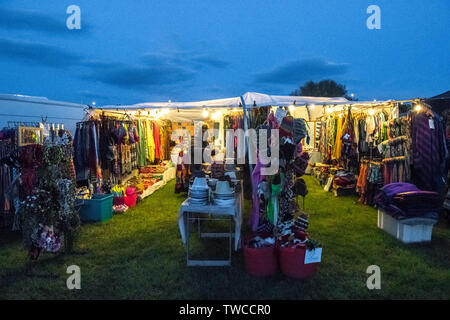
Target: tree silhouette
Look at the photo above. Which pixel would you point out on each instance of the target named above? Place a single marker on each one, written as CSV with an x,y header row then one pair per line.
x,y
324,88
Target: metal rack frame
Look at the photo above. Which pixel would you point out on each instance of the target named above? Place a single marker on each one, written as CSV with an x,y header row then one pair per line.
x,y
198,216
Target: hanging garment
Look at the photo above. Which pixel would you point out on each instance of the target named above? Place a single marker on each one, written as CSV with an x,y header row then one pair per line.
x,y
93,152
273,206
287,197
429,151
150,142
362,178
323,148
349,149
5,178
370,128
338,143
166,138
256,179
264,193
157,141
142,144
287,127
363,146
300,130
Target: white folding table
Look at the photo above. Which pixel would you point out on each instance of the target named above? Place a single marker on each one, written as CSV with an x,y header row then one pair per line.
x,y
193,212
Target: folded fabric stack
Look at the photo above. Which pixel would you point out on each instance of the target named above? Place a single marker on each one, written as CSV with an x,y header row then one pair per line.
x,y
260,242
120,208
405,200
343,179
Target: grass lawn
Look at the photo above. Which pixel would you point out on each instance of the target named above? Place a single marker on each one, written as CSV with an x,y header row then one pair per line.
x,y
139,255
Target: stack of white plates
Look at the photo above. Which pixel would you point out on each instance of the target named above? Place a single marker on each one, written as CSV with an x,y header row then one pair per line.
x,y
222,200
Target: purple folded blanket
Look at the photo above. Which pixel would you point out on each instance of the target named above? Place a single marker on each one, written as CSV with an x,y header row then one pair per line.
x,y
406,200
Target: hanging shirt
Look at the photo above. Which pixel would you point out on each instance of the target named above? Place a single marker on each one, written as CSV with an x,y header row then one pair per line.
x,y
142,144
150,142
370,128
338,143
157,141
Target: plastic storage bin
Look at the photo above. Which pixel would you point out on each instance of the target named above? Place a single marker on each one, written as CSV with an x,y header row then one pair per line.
x,y
98,209
260,262
292,263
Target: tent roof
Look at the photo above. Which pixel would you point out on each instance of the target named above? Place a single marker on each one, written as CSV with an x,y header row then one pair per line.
x,y
445,95
249,98
40,100
261,99
440,103
216,103
189,111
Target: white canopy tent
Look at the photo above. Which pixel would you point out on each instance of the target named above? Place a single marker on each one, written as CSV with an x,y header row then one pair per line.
x,y
309,108
305,107
302,107
177,111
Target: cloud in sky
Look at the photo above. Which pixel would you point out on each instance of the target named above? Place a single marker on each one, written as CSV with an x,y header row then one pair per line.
x,y
210,61
158,69
298,71
37,54
137,76
185,59
32,20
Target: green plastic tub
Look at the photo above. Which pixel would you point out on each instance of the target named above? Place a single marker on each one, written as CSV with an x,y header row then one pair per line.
x,y
97,209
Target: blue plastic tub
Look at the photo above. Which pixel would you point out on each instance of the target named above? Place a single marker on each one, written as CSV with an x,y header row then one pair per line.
x,y
97,209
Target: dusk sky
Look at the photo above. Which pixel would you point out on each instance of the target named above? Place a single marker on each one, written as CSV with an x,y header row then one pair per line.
x,y
136,51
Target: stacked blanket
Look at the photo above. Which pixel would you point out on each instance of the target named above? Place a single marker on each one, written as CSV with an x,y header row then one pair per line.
x,y
344,179
405,200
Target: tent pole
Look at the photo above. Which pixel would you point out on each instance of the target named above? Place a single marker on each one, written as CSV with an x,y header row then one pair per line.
x,y
247,144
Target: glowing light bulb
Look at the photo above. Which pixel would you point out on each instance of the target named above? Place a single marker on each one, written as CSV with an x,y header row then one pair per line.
x,y
312,106
418,107
205,113
291,108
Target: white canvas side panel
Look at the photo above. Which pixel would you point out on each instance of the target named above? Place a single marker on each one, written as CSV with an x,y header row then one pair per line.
x,y
33,109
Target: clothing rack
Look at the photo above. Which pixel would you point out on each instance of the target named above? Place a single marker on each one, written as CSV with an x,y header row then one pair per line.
x,y
401,158
372,161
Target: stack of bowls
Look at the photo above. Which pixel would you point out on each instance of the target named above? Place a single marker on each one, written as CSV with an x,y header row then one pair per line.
x,y
224,194
199,192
